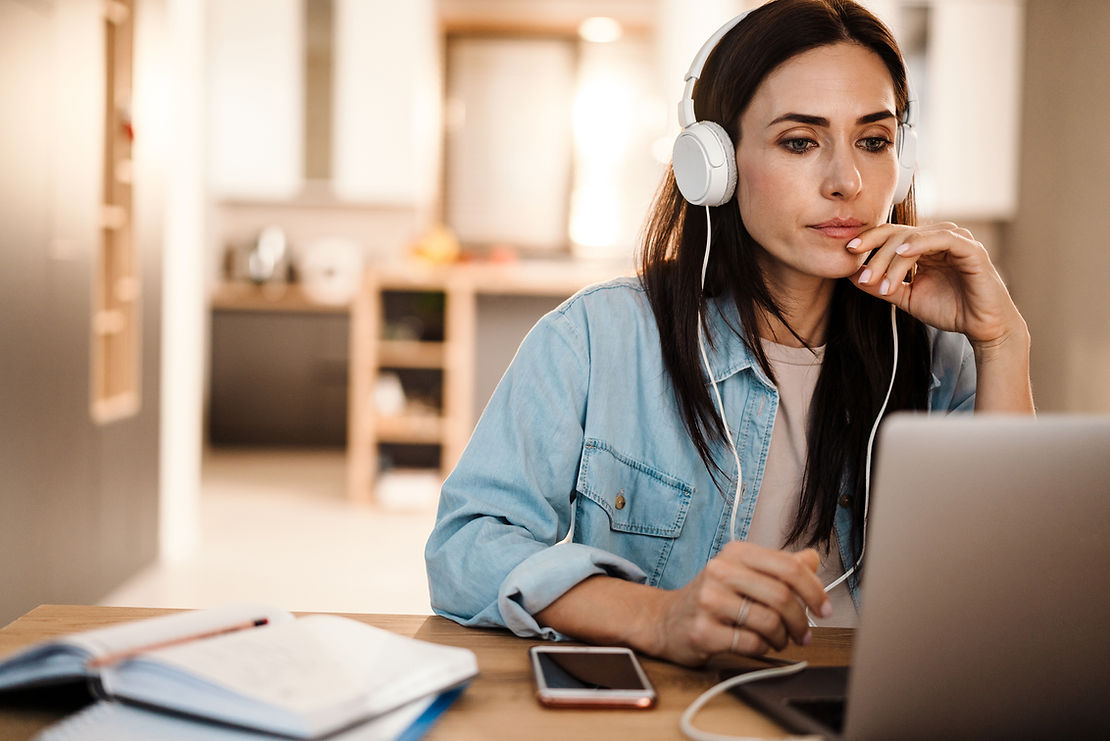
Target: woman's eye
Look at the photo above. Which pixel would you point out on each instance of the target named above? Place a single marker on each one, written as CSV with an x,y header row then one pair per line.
x,y
799,146
874,143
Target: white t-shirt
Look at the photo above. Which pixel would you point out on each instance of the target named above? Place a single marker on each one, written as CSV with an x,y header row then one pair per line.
x,y
796,370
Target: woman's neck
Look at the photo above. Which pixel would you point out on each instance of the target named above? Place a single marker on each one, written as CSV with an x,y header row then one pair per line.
x,y
804,303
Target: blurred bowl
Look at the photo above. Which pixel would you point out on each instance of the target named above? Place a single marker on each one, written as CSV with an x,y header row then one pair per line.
x,y
331,270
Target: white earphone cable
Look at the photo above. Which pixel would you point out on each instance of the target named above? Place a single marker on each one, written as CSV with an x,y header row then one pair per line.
x,y
686,722
713,383
870,445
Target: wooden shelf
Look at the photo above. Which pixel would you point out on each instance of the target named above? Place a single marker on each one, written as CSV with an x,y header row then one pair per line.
x,y
116,326
410,429
411,354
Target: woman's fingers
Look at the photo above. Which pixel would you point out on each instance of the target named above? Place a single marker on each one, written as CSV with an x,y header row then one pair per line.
x,y
781,584
748,642
747,600
895,249
955,287
726,606
765,622
795,571
741,625
702,621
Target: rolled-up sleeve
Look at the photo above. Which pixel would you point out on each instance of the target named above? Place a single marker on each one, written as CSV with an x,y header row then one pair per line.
x,y
499,551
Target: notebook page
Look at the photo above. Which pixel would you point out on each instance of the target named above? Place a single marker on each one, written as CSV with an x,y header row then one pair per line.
x,y
288,666
394,669
305,677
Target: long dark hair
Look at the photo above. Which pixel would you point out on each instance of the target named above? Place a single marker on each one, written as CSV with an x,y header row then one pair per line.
x,y
855,372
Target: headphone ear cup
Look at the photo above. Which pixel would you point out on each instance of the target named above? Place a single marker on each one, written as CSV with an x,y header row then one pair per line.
x,y
704,163
907,161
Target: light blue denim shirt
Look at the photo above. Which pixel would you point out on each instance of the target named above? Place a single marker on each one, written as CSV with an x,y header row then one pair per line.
x,y
585,414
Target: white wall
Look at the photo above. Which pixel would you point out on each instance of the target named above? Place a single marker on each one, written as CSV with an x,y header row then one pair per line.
x,y
386,120
255,53
1058,252
509,152
180,119
972,108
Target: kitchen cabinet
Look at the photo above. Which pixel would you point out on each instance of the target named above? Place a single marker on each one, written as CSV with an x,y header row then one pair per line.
x,y
278,368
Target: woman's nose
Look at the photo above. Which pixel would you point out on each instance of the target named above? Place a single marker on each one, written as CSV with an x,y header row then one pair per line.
x,y
842,176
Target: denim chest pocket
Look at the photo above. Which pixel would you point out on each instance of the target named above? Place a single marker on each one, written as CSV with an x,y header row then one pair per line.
x,y
628,507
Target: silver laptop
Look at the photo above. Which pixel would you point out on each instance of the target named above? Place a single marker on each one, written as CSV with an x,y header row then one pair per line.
x,y
986,600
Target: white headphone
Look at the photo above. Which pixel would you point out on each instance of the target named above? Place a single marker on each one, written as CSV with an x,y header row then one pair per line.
x,y
704,159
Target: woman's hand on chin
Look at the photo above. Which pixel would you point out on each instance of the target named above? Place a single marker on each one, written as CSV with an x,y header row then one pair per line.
x,y
954,287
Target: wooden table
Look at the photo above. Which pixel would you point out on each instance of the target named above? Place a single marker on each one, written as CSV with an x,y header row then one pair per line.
x,y
499,704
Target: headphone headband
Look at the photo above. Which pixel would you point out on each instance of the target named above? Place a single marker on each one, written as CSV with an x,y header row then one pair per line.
x,y
686,105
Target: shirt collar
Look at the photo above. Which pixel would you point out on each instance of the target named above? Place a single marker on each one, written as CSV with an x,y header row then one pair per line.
x,y
724,345
729,355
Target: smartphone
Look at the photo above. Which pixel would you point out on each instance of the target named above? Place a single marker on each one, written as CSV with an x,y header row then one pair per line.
x,y
590,677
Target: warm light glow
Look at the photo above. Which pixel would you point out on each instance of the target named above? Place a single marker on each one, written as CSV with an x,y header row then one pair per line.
x,y
602,117
662,149
594,216
600,29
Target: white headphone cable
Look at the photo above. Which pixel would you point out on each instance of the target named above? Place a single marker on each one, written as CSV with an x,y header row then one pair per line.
x,y
713,383
686,721
870,445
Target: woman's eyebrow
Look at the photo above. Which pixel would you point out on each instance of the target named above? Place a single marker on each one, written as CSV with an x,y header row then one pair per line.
x,y
803,118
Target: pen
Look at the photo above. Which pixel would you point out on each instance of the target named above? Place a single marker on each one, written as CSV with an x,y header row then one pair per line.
x,y
98,662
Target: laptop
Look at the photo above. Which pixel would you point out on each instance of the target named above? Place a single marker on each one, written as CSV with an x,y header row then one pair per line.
x,y
986,599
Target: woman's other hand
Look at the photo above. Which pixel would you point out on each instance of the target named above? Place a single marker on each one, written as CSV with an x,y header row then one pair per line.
x,y
766,590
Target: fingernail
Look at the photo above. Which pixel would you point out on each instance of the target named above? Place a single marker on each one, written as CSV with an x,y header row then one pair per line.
x,y
854,243
807,638
865,275
902,249
826,610
884,287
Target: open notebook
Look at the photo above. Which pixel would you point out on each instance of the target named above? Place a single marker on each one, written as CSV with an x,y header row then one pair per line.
x,y
251,667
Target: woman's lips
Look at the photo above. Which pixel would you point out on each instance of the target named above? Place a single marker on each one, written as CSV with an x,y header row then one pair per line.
x,y
845,229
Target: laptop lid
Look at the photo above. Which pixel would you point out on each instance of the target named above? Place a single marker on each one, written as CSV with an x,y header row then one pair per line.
x,y
986,604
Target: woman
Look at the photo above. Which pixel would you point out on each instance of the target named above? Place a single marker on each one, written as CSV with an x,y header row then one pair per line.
x,y
608,496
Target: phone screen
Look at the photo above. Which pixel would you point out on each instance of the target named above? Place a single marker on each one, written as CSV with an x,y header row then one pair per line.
x,y
589,671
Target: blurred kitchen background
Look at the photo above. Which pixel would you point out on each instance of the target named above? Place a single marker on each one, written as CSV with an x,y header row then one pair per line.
x,y
265,260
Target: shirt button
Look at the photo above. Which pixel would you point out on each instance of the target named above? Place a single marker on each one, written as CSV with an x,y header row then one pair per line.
x,y
846,501
620,499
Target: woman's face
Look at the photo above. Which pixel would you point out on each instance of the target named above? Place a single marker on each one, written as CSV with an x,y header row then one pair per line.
x,y
816,162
